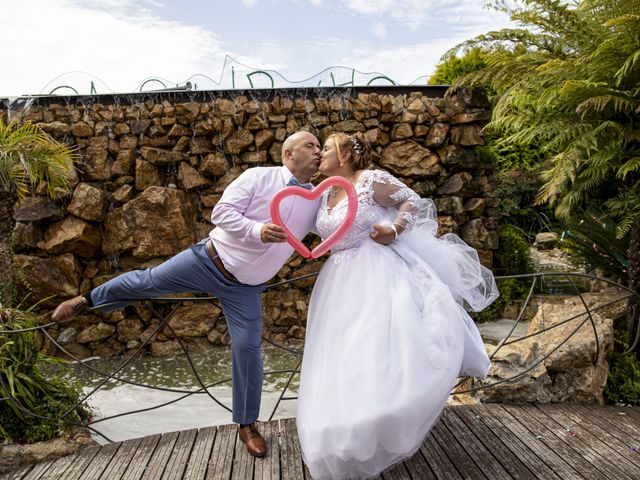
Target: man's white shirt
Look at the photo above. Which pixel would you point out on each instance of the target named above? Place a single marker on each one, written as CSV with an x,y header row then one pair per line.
x,y
240,215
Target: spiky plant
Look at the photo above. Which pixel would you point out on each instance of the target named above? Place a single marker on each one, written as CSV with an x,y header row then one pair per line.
x,y
33,403
29,158
569,81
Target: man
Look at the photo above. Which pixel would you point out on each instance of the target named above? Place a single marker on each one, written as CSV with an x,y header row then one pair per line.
x,y
243,252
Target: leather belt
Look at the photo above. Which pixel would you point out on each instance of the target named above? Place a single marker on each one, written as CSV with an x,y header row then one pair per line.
x,y
218,263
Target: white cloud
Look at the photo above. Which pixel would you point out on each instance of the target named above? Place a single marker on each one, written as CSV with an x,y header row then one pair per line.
x,y
403,64
121,43
249,3
416,14
379,29
409,13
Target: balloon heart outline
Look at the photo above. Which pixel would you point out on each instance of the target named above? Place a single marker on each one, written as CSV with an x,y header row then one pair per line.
x,y
331,240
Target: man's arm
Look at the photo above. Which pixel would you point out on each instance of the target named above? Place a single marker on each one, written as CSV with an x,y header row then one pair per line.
x,y
228,214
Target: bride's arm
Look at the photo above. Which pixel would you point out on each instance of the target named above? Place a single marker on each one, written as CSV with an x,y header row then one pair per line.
x,y
388,191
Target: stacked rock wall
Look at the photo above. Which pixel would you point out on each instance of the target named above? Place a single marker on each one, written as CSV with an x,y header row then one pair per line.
x,y
151,167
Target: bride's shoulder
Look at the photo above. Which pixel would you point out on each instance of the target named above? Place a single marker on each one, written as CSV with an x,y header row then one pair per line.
x,y
378,176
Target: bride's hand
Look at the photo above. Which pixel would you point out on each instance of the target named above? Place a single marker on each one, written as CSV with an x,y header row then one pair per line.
x,y
382,235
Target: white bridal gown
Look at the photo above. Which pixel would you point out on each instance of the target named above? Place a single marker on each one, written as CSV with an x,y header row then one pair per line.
x,y
387,334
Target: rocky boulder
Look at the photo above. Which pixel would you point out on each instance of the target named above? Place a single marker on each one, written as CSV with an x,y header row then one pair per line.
x,y
565,361
73,235
37,209
193,320
88,202
408,158
159,222
57,277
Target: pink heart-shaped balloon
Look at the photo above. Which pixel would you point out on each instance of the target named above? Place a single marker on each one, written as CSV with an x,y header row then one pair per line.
x,y
331,240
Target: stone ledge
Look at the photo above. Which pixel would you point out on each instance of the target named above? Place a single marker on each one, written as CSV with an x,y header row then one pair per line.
x,y
13,456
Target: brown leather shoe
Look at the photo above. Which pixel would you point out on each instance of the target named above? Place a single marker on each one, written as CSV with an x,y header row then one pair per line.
x,y
69,309
253,440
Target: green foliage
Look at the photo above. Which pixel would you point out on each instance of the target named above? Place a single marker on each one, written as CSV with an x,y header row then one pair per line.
x,y
22,379
623,381
30,157
510,289
510,157
514,260
518,182
453,67
591,238
514,251
568,81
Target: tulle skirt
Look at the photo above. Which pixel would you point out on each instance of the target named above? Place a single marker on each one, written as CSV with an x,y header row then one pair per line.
x,y
386,340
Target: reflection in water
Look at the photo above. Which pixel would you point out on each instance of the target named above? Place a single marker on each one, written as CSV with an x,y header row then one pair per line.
x,y
194,411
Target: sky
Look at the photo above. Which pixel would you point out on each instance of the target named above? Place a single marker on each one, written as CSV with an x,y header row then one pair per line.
x,y
134,45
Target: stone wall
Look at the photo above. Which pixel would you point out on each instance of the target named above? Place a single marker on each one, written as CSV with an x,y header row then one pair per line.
x,y
152,166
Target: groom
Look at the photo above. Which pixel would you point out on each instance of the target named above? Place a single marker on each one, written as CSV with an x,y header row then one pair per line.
x,y
242,252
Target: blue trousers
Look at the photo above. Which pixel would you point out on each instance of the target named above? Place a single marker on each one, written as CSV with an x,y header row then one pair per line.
x,y
193,270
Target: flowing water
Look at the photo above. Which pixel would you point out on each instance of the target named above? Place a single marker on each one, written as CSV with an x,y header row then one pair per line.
x,y
174,372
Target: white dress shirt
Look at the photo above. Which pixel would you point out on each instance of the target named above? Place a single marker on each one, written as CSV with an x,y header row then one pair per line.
x,y
240,214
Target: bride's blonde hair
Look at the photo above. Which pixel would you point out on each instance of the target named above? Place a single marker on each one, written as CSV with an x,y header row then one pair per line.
x,y
356,144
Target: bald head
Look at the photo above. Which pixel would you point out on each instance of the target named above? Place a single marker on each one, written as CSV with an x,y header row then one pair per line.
x,y
301,155
293,140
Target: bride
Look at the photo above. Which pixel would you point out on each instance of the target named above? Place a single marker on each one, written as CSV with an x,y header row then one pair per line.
x,y
387,331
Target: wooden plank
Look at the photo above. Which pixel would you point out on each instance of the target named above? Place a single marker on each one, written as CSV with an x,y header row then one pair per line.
x,y
138,465
464,464
513,441
121,460
598,437
77,468
60,465
158,461
396,472
100,461
599,440
268,467
617,424
632,412
177,463
197,464
548,455
418,467
221,460
579,455
474,448
291,458
38,470
16,474
506,457
243,461
437,460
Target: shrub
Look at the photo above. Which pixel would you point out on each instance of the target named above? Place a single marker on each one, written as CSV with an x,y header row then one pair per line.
x,y
37,402
590,237
623,381
513,257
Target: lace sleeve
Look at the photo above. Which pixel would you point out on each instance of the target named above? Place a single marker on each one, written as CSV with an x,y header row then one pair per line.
x,y
388,191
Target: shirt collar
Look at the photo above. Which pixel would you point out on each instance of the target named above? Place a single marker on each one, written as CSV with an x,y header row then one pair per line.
x,y
286,174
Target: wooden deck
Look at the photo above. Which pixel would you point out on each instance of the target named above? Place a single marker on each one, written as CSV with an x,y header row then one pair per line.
x,y
558,441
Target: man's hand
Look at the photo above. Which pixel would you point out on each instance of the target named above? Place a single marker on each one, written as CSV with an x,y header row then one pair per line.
x,y
382,235
272,233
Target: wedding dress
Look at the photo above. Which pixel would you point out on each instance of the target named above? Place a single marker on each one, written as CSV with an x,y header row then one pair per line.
x,y
387,333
